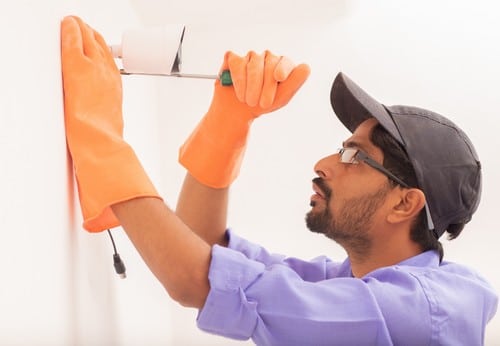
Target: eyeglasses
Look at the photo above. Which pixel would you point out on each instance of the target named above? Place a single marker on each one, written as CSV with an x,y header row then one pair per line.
x,y
353,156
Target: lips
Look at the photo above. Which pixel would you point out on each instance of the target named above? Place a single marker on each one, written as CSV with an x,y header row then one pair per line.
x,y
321,188
316,197
318,191
322,192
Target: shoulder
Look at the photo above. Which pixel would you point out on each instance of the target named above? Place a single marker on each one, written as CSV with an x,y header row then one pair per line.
x,y
425,275
434,298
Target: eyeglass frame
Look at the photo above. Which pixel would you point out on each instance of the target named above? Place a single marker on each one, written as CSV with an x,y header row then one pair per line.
x,y
362,156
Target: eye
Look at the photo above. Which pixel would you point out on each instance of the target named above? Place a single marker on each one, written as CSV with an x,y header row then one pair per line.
x,y
348,155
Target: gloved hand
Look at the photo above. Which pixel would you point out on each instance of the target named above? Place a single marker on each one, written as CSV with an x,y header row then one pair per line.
x,y
106,168
261,84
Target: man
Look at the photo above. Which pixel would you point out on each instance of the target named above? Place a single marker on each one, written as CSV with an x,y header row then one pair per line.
x,y
404,177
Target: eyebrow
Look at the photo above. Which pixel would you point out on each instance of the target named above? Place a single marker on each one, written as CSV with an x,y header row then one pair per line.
x,y
353,144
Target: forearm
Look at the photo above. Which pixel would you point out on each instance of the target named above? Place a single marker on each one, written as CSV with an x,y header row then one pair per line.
x,y
176,256
204,210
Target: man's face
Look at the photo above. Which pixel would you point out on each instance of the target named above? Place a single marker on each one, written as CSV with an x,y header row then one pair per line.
x,y
348,198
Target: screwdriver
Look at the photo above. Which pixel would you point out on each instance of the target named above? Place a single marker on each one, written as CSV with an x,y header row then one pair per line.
x,y
225,76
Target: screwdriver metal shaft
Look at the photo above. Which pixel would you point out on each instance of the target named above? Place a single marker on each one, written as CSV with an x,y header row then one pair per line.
x,y
225,77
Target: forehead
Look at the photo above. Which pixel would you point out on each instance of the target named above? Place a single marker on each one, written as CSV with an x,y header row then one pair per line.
x,y
360,138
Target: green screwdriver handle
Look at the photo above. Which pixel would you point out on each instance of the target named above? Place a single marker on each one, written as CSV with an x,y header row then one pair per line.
x,y
225,78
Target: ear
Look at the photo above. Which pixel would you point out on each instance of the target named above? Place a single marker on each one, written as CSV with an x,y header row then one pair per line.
x,y
407,205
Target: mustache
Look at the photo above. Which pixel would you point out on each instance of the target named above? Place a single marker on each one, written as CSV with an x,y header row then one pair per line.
x,y
320,183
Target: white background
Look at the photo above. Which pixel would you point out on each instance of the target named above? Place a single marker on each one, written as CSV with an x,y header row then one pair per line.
x,y
58,286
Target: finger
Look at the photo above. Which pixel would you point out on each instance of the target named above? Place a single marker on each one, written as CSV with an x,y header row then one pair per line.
x,y
90,46
71,37
238,68
283,69
270,84
292,84
104,49
255,78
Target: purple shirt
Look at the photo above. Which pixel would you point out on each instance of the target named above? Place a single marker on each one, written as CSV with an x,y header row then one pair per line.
x,y
286,301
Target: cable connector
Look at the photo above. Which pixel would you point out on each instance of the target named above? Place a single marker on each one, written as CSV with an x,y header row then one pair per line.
x,y
117,261
119,266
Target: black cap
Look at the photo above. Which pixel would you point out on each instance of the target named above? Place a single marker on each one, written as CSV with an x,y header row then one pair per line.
x,y
446,164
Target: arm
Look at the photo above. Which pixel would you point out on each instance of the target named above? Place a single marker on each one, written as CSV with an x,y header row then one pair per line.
x,y
204,210
177,257
273,305
213,152
113,187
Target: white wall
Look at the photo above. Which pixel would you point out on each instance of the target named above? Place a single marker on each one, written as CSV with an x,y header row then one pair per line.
x,y
58,286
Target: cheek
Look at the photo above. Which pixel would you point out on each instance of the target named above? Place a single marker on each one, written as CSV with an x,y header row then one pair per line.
x,y
357,179
345,191
354,182
360,200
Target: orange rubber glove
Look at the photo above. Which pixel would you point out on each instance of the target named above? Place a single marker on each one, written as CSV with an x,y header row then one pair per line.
x,y
106,168
261,84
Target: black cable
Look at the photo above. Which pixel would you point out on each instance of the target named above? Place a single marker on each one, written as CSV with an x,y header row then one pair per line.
x,y
117,261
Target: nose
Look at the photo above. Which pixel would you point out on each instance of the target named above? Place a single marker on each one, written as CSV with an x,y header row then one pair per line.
x,y
324,167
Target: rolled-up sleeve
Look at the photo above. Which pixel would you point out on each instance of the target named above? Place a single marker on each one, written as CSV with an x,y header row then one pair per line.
x,y
227,311
274,305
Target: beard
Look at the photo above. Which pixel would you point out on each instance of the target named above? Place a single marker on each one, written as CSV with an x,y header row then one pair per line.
x,y
349,228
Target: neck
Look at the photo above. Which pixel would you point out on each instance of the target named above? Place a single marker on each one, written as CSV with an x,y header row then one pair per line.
x,y
382,253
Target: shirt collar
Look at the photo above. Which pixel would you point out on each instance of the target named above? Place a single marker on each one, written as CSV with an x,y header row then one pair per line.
x,y
425,259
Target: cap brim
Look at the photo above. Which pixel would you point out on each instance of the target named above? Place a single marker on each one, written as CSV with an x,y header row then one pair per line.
x,y
353,105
